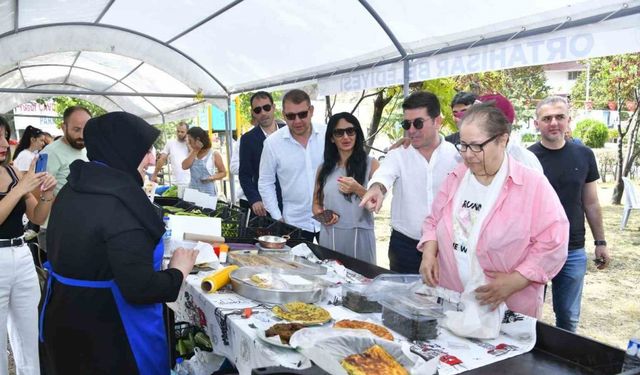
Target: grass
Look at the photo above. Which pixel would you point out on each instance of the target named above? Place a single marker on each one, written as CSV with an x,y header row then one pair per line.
x,y
611,297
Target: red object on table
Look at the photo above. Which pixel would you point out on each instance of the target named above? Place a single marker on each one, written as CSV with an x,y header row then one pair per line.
x,y
451,360
216,249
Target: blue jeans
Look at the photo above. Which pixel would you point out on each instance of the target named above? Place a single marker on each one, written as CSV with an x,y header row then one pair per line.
x,y
567,290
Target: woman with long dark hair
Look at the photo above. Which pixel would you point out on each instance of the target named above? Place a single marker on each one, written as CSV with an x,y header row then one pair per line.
x,y
206,166
31,143
19,288
340,184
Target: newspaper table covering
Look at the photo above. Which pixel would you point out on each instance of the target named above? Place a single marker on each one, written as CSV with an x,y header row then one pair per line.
x,y
236,338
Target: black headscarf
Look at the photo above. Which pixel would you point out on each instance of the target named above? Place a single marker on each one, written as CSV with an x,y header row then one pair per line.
x,y
120,140
116,143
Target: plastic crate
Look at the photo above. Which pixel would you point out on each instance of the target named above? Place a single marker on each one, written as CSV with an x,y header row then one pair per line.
x,y
262,226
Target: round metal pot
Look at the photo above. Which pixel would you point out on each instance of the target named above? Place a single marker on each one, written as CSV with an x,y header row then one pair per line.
x,y
273,242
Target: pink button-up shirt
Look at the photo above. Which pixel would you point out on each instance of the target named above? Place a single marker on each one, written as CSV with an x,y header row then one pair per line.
x,y
526,231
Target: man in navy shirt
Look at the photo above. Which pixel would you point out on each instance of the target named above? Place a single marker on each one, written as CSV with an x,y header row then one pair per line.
x,y
263,112
572,171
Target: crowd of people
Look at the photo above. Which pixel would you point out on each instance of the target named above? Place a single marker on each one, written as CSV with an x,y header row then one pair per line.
x,y
474,212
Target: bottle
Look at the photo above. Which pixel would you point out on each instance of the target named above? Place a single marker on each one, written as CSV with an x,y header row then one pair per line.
x,y
166,237
632,357
180,368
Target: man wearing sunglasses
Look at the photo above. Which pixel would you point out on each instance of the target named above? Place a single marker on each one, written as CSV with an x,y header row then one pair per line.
x,y
292,156
415,173
459,105
251,143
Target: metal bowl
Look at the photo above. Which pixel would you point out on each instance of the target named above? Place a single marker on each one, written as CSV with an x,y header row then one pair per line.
x,y
272,295
273,242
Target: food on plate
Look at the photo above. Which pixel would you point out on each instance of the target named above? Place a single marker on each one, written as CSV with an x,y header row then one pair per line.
x,y
374,360
371,327
284,330
301,312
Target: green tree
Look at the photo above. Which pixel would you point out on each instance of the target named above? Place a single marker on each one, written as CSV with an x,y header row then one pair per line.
x,y
593,133
615,80
524,87
60,103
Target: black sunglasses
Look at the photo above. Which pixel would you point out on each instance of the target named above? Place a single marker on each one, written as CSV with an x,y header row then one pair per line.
x,y
301,115
266,107
339,133
462,147
417,123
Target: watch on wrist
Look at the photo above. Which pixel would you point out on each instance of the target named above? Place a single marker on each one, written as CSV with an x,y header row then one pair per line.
x,y
600,243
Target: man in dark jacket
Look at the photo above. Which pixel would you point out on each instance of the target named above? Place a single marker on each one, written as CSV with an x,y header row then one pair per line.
x,y
263,111
102,312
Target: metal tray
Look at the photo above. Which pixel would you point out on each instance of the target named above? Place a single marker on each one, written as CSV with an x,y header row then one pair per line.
x,y
286,262
271,295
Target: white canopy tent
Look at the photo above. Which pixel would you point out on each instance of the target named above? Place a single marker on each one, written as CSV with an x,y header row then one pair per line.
x,y
162,59
151,57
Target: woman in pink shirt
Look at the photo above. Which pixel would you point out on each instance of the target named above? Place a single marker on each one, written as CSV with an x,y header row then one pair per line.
x,y
495,212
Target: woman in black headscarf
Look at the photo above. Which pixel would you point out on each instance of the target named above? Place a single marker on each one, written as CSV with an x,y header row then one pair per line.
x,y
103,312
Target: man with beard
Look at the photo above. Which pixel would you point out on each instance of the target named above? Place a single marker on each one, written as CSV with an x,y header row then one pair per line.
x,y
64,151
176,150
263,112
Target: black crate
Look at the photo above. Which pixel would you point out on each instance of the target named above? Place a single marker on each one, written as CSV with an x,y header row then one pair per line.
x,y
263,225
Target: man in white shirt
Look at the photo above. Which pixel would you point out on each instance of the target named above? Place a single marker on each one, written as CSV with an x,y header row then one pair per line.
x,y
176,150
292,155
415,173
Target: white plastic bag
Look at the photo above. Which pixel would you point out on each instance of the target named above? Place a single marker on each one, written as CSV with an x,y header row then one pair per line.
x,y
203,363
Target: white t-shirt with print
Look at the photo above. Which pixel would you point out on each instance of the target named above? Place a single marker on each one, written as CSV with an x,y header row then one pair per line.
x,y
472,196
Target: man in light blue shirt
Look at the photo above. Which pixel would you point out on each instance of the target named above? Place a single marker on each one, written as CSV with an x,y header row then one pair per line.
x,y
293,155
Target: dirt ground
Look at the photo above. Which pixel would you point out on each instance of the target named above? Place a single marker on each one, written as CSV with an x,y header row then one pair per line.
x,y
611,298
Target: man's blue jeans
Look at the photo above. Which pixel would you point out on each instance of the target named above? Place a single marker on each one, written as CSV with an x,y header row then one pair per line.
x,y
567,290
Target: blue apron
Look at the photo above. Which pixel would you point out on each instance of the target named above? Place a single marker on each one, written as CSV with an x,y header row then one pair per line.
x,y
199,171
143,324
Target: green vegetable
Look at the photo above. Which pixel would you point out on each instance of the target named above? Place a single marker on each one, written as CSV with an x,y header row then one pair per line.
x,y
203,341
171,192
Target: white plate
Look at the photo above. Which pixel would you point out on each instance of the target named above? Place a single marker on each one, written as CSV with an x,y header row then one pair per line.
x,y
273,340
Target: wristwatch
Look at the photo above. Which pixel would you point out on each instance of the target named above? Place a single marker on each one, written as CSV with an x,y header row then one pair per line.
x,y
600,243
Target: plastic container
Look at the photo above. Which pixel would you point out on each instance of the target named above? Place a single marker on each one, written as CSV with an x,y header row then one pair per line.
x,y
355,299
180,368
413,316
224,250
166,237
632,356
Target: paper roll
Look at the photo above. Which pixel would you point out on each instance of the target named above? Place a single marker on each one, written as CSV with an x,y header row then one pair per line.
x,y
218,279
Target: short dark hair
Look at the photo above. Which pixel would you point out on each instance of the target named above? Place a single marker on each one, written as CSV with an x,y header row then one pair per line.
x,y
423,99
296,96
495,122
201,135
261,95
463,97
71,110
